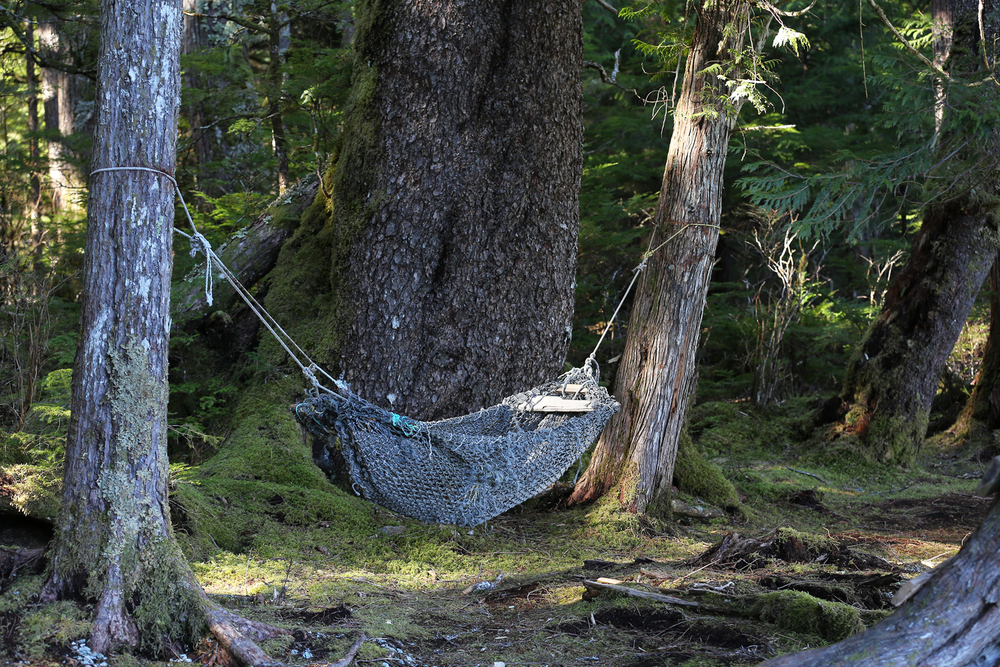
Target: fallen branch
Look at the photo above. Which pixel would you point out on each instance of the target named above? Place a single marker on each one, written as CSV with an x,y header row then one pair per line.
x,y
803,472
595,587
12,560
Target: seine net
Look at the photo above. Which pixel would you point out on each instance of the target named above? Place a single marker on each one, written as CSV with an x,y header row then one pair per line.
x,y
468,469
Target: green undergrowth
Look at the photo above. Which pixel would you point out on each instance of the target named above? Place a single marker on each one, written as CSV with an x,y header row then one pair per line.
x,y
270,537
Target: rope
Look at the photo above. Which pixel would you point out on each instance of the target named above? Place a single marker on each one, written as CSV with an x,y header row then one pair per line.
x,y
650,251
200,243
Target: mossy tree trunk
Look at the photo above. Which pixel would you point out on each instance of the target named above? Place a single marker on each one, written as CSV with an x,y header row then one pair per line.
x,y
983,406
439,279
654,383
892,380
114,543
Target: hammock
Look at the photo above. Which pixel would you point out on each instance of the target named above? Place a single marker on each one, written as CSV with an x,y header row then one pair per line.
x,y
468,469
464,470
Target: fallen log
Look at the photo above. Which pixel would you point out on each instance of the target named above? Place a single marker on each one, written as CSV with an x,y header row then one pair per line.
x,y
595,587
250,254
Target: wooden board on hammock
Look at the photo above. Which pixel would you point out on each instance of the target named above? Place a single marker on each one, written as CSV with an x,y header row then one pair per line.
x,y
556,404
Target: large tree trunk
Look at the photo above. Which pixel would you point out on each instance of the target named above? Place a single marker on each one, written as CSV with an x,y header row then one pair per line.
x,y
953,620
114,542
893,379
444,266
654,383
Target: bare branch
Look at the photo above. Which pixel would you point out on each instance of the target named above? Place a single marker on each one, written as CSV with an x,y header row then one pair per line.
x,y
607,6
610,80
780,12
885,19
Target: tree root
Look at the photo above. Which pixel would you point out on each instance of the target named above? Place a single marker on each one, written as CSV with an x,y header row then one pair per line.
x,y
239,635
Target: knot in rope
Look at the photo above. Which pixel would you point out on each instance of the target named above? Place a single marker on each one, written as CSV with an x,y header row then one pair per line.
x,y
200,244
310,373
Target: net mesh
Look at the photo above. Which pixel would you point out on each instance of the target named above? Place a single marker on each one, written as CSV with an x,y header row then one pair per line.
x,y
464,470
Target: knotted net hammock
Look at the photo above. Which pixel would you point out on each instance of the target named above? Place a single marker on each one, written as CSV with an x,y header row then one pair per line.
x,y
468,469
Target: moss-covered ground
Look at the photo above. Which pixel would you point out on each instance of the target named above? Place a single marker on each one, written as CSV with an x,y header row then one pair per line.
x,y
270,537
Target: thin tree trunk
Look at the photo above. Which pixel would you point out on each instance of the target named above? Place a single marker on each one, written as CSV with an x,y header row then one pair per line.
x,y
941,15
114,540
58,92
193,42
654,383
35,187
279,40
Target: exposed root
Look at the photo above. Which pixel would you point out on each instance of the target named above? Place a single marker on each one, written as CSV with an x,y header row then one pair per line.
x,y
112,626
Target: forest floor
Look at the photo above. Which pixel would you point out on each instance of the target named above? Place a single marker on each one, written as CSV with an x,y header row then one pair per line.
x,y
818,551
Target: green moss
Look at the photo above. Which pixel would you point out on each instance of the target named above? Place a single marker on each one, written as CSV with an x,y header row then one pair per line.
x,y
896,438
266,443
56,623
801,612
695,475
736,431
17,595
34,490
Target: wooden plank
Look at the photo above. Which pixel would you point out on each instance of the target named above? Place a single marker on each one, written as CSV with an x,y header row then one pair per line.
x,y
556,404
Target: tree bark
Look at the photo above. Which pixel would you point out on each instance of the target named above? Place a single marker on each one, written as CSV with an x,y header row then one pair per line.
x,y
953,619
892,381
59,96
637,449
114,542
450,243
982,409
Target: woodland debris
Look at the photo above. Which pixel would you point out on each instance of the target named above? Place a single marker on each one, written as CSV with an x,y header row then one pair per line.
x,y
13,560
594,589
695,511
790,546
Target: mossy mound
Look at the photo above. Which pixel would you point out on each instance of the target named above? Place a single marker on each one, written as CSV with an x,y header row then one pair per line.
x,y
695,475
261,484
738,431
800,612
